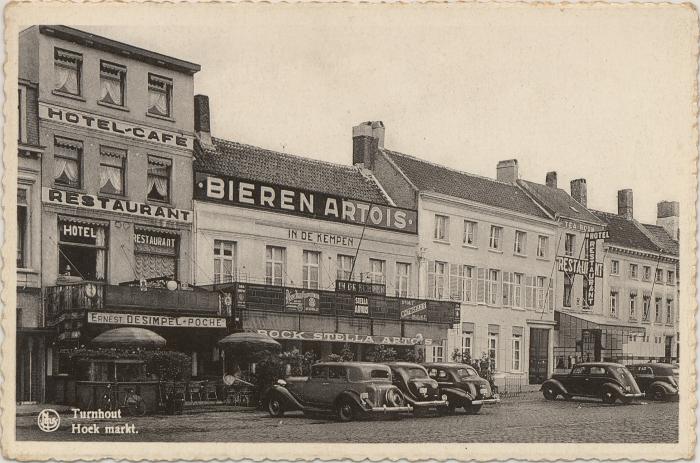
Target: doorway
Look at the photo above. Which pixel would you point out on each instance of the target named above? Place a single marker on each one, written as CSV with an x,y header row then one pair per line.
x,y
539,355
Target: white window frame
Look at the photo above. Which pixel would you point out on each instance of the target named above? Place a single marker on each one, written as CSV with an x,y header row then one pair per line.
x,y
542,246
441,278
614,300
541,290
669,311
496,238
658,309
309,266
520,243
467,343
518,285
646,308
24,235
614,267
470,233
633,306
220,246
507,289
646,273
343,266
659,275
569,244
403,279
377,271
493,339
272,262
492,283
516,364
670,277
634,271
468,283
442,228
438,352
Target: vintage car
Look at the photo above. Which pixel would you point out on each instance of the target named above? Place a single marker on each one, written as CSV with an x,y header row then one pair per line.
x,y
658,381
349,389
462,385
419,389
609,381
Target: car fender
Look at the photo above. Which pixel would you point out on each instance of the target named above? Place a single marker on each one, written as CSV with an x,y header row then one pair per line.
x,y
351,395
455,392
666,387
290,402
616,387
556,384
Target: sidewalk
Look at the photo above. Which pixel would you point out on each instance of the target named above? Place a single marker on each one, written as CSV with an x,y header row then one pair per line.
x,y
34,409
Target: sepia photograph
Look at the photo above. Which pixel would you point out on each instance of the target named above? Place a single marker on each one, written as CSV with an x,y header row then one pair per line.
x,y
445,225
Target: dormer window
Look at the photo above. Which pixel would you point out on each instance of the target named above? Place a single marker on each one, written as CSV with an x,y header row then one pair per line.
x,y
67,71
160,92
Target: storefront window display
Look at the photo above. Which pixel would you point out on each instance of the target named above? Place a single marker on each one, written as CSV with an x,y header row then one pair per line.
x,y
155,253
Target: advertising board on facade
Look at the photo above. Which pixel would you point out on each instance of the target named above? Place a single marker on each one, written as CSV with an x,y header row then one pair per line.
x,y
578,266
296,300
417,311
293,335
109,318
258,195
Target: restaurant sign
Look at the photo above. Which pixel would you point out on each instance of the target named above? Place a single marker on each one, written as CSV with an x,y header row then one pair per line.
x,y
578,266
155,320
264,196
123,206
344,337
115,126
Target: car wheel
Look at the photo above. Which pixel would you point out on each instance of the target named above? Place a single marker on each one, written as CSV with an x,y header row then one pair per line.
x,y
609,396
346,410
275,407
472,409
549,393
658,393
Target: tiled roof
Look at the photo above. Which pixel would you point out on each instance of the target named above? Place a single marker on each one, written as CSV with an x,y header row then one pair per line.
x,y
253,163
626,233
427,176
558,202
663,239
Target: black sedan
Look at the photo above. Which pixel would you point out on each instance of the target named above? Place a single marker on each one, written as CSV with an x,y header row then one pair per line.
x,y
419,390
658,381
609,381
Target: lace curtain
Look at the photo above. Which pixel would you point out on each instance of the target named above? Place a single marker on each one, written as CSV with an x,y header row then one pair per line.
x,y
157,102
110,91
66,167
66,79
158,178
100,255
110,179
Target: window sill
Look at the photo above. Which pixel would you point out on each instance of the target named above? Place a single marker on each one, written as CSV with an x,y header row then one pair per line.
x,y
497,251
543,259
155,202
27,270
113,106
517,254
614,274
68,95
440,241
113,195
519,309
162,118
469,246
68,188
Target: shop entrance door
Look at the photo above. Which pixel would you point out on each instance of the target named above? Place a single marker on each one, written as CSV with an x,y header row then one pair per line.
x,y
591,346
539,355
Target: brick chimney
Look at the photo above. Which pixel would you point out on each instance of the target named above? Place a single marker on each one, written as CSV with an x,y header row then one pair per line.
x,y
551,179
579,191
367,138
625,204
507,171
667,216
202,121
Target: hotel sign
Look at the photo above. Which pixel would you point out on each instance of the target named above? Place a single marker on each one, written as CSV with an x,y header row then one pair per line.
x,y
155,320
124,206
287,200
344,337
115,126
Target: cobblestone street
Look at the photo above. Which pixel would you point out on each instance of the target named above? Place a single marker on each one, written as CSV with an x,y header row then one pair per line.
x,y
523,419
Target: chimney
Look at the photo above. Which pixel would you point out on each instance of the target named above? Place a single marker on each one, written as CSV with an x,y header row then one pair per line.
x,y
507,171
625,204
367,138
551,179
667,216
579,191
202,121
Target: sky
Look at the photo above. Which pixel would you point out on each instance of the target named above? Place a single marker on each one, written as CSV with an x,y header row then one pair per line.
x,y
595,93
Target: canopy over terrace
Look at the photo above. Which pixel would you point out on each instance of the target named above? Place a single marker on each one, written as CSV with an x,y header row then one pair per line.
x,y
591,337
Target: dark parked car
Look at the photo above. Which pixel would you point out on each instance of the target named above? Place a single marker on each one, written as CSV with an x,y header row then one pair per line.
x,y
608,381
419,389
462,385
348,389
658,381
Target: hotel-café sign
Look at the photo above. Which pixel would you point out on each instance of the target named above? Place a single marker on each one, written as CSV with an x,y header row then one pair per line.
x,y
115,126
264,196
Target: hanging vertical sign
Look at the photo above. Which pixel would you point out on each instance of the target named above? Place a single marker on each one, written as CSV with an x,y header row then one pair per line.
x,y
592,238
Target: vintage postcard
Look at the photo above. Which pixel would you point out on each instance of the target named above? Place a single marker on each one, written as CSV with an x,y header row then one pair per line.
x,y
349,231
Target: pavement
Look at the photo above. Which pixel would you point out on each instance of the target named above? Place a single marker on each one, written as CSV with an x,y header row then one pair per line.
x,y
526,418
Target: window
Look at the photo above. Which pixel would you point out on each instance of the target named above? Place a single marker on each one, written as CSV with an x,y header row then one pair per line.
x,y
657,310
440,280
67,162
495,237
403,277
344,267
158,179
67,71
613,304
467,338
22,227
542,246
568,287
438,352
659,275
646,306
633,271
493,350
646,276
224,261
470,229
442,228
541,298
670,280
112,170
160,93
274,265
22,114
518,290
492,287
82,250
517,348
507,289
615,267
569,244
310,273
377,271
468,284
155,254
633,305
669,311
520,243
112,83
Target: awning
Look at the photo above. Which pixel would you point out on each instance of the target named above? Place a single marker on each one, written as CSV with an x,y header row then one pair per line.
x,y
82,220
128,337
603,322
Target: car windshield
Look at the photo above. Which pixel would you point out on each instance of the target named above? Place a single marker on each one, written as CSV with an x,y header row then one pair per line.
x,y
466,372
414,373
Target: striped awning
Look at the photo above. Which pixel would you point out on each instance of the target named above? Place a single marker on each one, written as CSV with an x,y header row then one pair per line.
x,y
83,220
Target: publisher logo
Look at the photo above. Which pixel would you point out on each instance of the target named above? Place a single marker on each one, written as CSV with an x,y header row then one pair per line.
x,y
48,420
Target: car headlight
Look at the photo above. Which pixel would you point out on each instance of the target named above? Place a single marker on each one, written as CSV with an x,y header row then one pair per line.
x,y
364,396
444,397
